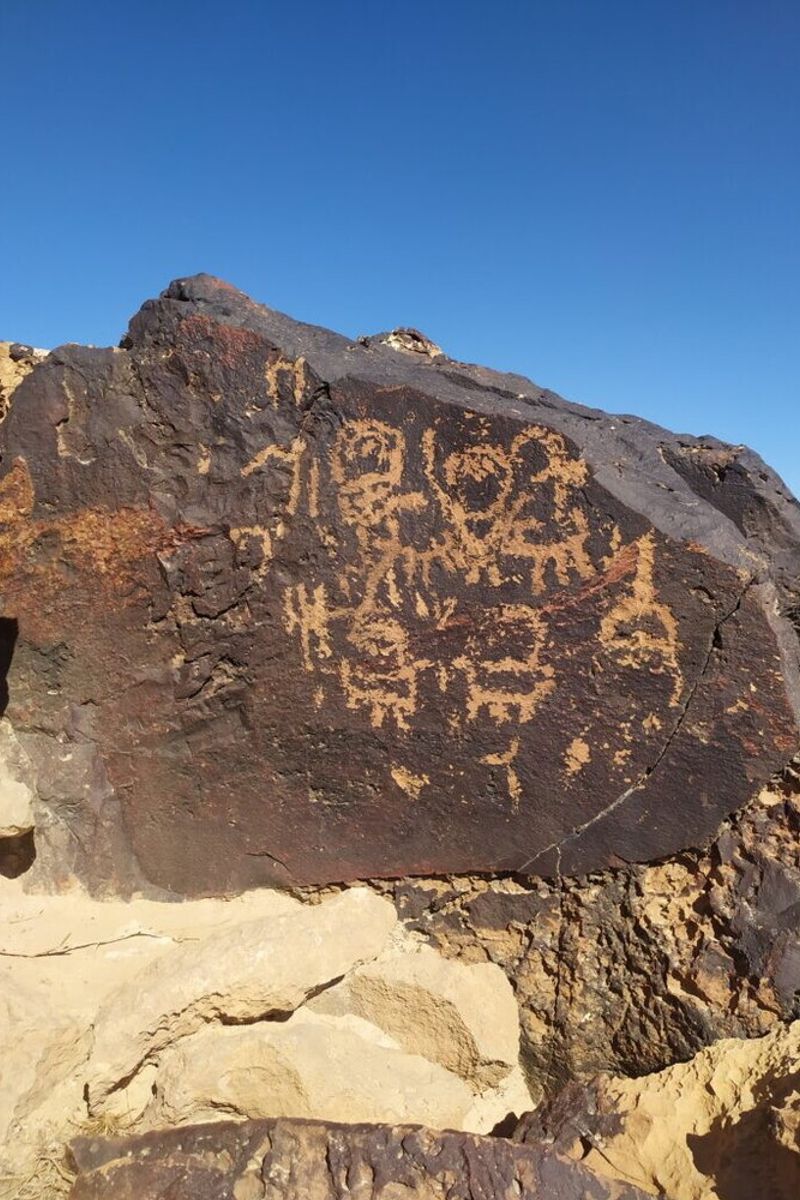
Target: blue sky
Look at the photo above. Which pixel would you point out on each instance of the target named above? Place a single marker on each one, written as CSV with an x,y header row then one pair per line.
x,y
602,195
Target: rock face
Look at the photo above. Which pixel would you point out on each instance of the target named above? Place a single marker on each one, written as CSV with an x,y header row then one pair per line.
x,y
282,608
16,809
721,1127
300,1160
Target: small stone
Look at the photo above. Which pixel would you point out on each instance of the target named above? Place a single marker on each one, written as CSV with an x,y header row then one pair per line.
x,y
16,793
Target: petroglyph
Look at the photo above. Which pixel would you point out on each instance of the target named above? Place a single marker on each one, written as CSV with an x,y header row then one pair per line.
x,y
577,755
506,759
494,516
496,684
641,632
510,518
293,373
306,613
408,782
396,593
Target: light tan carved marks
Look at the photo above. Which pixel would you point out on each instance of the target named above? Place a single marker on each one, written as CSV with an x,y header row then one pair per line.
x,y
444,571
487,499
506,759
287,372
292,456
640,631
71,438
383,675
367,463
505,676
577,754
306,613
473,487
408,782
261,535
560,477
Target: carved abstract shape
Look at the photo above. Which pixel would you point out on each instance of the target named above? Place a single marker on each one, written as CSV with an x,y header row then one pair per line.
x,y
408,782
577,754
510,681
367,463
306,613
383,675
506,759
640,631
293,373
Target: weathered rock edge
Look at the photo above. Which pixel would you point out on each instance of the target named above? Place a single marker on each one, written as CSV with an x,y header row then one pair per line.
x,y
301,1160
631,970
289,609
724,1125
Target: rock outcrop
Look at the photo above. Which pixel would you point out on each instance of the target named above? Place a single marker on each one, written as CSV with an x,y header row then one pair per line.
x,y
499,695
284,608
300,1160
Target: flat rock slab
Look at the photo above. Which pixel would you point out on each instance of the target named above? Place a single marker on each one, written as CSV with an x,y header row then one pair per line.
x,y
285,608
305,1160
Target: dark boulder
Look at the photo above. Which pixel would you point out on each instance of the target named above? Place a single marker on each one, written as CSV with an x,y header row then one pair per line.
x,y
308,1160
293,609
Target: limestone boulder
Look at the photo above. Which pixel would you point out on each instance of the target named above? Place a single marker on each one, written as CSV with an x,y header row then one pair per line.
x,y
263,972
464,1017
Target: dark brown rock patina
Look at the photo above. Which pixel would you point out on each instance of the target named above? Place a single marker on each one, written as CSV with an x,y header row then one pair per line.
x,y
309,1160
290,609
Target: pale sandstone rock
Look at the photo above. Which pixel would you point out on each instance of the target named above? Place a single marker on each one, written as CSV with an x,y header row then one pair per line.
x,y
16,792
337,1068
126,1003
499,1104
60,957
265,970
16,362
786,1121
464,1017
719,1127
40,1049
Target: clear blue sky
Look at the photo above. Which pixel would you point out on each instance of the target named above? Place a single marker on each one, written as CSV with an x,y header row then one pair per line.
x,y
604,195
